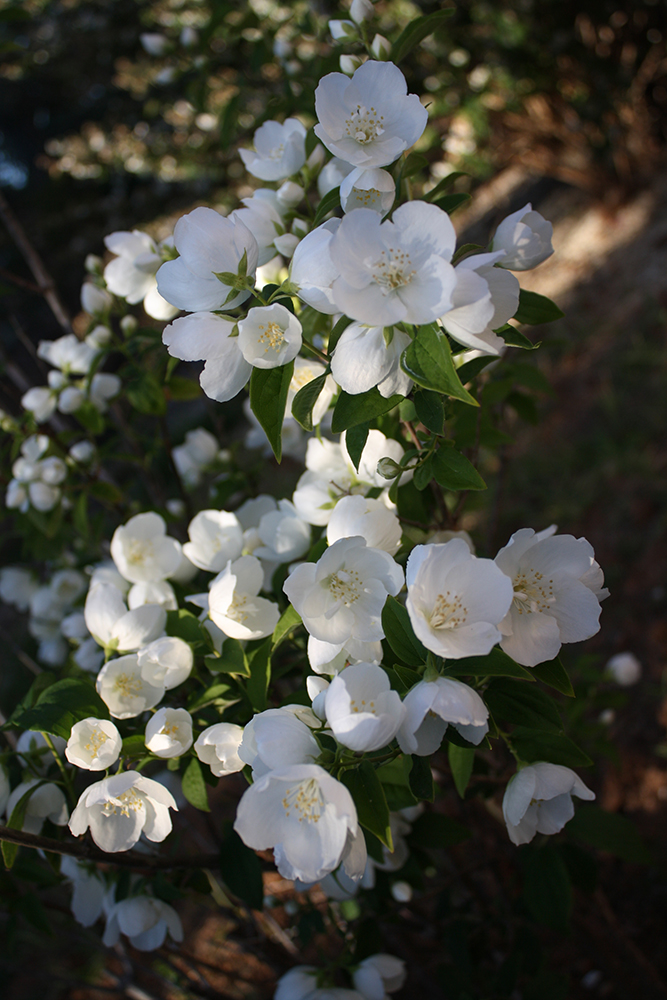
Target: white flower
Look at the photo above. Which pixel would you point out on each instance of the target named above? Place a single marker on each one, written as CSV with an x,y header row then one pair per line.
x,y
361,10
142,550
624,668
312,270
483,300
371,119
282,534
82,452
152,592
363,188
381,47
396,270
277,738
94,300
234,605
280,150
341,597
132,273
17,586
33,743
218,747
166,661
331,658
332,175
378,975
455,601
103,387
94,744
199,450
41,402
342,29
557,589
430,706
300,984
216,537
371,519
538,799
42,496
262,215
169,732
269,336
364,714
111,624
155,44
366,356
124,691
144,920
526,237
46,802
303,814
68,353
208,244
203,336
119,809
88,890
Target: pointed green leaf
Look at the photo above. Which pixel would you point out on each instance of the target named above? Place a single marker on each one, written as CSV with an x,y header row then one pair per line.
x,y
461,761
445,183
430,410
369,798
553,674
355,442
400,634
61,705
259,664
515,338
534,309
453,471
536,744
522,704
352,410
241,869
395,779
194,786
289,620
414,164
337,332
231,660
330,202
423,473
497,664
428,362
450,202
304,401
268,397
417,31
421,779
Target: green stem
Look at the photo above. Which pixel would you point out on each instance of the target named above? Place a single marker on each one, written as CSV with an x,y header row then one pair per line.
x,y
67,778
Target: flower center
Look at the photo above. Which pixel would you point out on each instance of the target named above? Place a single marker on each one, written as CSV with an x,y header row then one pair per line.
x,y
364,124
448,612
130,801
139,552
362,706
235,610
532,593
277,152
272,335
346,586
392,270
127,685
305,800
300,378
169,730
96,739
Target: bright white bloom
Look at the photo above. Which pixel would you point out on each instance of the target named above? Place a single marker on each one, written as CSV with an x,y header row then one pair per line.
x,y
378,975
88,890
68,353
166,661
124,691
218,747
394,270
331,658
42,402
283,536
361,10
455,601
208,244
144,920
42,496
332,175
312,270
234,605
103,387
199,450
341,597
94,744
142,550
98,337
362,188
152,592
372,519
430,706
269,336
364,714
155,44
119,809
483,301
46,802
303,814
132,273
82,452
94,300
216,537
289,194
526,238
300,984
169,732
17,586
280,150
557,589
366,356
203,336
262,215
538,799
624,668
371,119
277,738
111,624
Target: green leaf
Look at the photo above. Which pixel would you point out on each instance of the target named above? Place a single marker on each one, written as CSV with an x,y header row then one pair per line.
x,y
534,309
355,442
536,744
414,164
428,362
430,410
304,401
496,664
352,410
289,620
470,369
442,185
400,634
182,624
329,203
134,746
423,473
90,418
421,779
61,705
435,831
231,660
216,693
146,393
547,890
194,786
268,397
465,250
241,869
183,388
453,471
369,798
461,760
609,832
107,493
40,684
553,674
395,779
259,664
450,202
80,515
522,704
337,332
416,31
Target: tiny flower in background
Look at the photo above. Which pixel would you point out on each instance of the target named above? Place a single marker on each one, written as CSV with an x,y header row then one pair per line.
x,y
46,802
94,744
131,274
378,975
624,668
538,799
526,238
280,150
119,809
169,732
144,920
218,747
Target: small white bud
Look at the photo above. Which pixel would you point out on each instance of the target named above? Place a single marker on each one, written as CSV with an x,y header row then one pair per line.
x,y
93,264
342,29
350,64
381,47
128,325
402,892
624,668
361,10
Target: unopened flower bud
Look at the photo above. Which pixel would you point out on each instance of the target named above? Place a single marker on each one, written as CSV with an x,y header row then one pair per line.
x,y
349,64
342,29
361,10
128,325
381,47
93,264
290,194
388,468
624,668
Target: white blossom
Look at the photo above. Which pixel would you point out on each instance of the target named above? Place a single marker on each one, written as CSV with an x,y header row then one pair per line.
x,y
312,270
120,808
111,624
277,738
203,336
538,799
362,711
366,356
132,272
303,814
331,658
88,890
283,535
624,668
144,920
169,732
371,519
94,300
269,336
379,975
525,236
68,353
168,661
142,550
124,691
17,585
455,601
234,604
300,984
483,301
280,150
363,188
216,537
46,802
94,744
371,119
430,706
152,592
218,747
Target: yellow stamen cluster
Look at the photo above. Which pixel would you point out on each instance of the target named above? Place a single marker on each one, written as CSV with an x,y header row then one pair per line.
x,y
305,800
448,612
364,124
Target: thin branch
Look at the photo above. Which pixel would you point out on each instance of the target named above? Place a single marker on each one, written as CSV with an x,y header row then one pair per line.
x,y
21,282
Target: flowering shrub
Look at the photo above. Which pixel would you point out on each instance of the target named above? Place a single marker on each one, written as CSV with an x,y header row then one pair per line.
x,y
327,645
